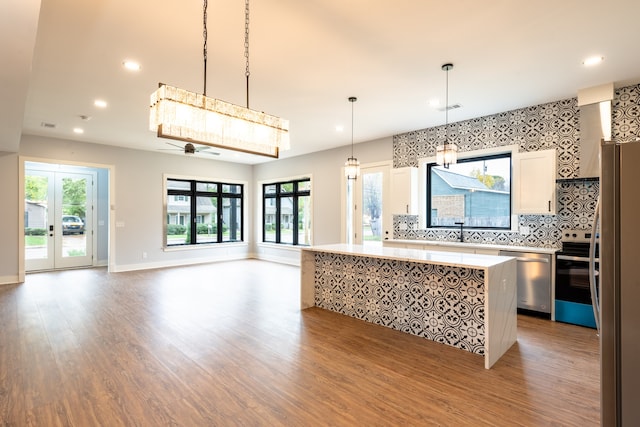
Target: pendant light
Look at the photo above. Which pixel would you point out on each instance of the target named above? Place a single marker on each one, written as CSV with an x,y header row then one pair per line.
x,y
352,165
446,153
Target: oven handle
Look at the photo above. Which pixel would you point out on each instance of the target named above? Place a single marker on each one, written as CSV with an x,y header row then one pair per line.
x,y
575,258
595,298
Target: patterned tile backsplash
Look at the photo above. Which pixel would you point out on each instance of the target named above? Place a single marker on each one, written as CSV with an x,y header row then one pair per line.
x,y
552,125
576,204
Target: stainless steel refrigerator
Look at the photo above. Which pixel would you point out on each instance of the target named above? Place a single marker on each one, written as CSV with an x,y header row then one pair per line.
x,y
619,283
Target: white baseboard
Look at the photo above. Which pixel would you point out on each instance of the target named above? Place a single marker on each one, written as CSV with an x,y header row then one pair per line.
x,y
9,280
174,263
279,259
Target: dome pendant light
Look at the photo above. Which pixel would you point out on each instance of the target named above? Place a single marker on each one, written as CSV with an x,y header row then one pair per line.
x,y
352,165
447,153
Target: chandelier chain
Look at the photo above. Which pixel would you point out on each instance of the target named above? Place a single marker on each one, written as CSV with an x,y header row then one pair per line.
x,y
246,45
246,36
204,48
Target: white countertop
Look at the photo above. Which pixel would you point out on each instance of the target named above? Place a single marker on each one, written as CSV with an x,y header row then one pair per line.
x,y
475,245
455,259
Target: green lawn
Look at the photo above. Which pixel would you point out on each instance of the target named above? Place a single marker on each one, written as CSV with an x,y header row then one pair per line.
x,y
35,240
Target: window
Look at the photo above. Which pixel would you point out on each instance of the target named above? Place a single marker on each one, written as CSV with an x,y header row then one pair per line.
x,y
286,212
216,209
475,191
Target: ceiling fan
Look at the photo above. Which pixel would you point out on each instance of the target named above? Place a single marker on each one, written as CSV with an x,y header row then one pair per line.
x,y
190,149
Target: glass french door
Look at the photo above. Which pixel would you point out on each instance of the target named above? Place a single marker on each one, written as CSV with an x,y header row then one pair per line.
x,y
58,223
371,216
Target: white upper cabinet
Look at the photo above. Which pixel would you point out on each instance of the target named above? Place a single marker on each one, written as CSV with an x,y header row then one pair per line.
x,y
404,191
534,182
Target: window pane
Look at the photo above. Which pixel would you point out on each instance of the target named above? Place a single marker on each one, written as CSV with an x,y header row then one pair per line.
x,y
269,216
304,220
178,219
36,216
232,189
476,192
286,220
231,219
206,220
304,186
178,185
206,186
270,189
286,187
372,207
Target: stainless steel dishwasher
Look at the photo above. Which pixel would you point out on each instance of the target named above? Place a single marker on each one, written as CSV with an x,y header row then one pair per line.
x,y
534,280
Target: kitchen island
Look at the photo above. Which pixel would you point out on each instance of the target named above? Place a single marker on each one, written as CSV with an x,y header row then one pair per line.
x,y
463,300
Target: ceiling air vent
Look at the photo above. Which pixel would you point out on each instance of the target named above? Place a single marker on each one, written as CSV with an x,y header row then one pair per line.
x,y
48,125
451,107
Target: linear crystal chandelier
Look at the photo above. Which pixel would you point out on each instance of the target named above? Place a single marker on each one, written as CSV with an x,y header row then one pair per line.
x,y
446,153
192,117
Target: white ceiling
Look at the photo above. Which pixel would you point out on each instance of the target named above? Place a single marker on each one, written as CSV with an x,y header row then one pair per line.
x,y
307,57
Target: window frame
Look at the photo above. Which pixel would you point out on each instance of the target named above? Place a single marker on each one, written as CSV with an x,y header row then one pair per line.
x,y
193,193
278,195
425,185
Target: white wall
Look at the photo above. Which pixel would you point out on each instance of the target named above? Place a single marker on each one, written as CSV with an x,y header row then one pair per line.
x,y
137,203
9,218
325,170
137,191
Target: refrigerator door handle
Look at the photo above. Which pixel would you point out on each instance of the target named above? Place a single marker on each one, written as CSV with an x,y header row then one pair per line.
x,y
595,300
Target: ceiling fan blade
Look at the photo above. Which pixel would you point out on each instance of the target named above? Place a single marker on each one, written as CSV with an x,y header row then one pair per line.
x,y
204,150
180,147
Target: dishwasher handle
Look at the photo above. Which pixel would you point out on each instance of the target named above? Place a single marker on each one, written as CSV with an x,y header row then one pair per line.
x,y
525,259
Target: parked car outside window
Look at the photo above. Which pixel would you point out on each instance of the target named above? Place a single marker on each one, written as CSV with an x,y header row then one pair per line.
x,y
72,224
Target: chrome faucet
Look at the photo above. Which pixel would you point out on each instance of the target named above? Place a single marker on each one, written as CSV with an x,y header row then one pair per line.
x,y
460,224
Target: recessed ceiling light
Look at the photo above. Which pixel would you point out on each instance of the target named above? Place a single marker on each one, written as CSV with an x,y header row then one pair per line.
x,y
434,103
100,103
78,130
339,128
593,60
131,65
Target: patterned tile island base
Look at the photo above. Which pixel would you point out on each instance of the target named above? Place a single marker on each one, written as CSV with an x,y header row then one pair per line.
x,y
465,301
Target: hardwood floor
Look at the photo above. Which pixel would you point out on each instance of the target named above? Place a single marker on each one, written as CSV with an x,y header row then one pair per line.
x,y
226,345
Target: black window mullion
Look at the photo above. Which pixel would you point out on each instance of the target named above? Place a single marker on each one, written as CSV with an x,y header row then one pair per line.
x,y
219,215
278,204
264,214
192,216
294,207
